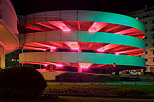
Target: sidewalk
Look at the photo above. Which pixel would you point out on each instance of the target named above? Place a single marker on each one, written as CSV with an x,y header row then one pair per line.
x,y
110,83
108,99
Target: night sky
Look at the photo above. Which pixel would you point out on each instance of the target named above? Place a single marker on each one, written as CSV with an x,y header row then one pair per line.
x,y
24,7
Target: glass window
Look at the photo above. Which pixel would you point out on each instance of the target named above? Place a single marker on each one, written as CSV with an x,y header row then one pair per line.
x,y
152,29
145,22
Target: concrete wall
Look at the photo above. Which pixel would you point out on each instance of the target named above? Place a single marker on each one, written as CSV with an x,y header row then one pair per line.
x,y
49,75
82,36
85,57
9,16
83,15
8,26
147,17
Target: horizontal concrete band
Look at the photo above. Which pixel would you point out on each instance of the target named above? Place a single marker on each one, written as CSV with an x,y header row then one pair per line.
x,y
83,36
81,57
8,27
83,15
8,39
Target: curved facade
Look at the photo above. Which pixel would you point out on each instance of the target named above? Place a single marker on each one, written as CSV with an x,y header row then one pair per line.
x,y
81,40
8,30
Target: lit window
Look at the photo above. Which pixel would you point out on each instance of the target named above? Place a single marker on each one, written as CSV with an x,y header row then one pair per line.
x,y
13,59
152,29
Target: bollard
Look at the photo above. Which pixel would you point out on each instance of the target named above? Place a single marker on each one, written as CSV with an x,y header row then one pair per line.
x,y
91,81
74,81
60,81
135,81
122,82
105,81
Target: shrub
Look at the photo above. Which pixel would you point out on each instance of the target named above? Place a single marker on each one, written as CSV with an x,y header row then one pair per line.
x,y
74,77
116,78
81,77
21,83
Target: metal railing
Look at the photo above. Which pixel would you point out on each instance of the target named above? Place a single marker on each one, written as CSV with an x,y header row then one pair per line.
x,y
130,81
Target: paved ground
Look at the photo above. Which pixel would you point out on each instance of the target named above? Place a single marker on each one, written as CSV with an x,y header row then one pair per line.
x,y
142,77
111,83
115,99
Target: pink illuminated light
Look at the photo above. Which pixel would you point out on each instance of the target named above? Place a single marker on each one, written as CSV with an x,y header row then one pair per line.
x,y
125,31
33,28
100,50
75,48
60,25
96,27
41,44
116,53
34,48
41,70
107,47
85,65
92,30
66,29
59,65
45,65
53,48
73,45
140,51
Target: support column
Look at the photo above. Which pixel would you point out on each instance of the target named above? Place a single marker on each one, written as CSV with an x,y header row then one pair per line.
x,y
79,69
2,57
23,52
148,68
100,71
116,72
144,69
51,68
110,71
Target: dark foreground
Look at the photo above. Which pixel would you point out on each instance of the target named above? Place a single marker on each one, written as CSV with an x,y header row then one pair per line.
x,y
84,99
98,90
